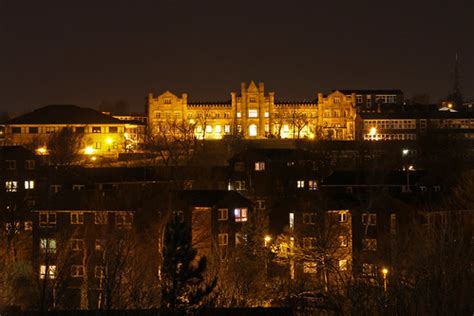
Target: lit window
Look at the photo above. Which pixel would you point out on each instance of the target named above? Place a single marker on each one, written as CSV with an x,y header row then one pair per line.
x,y
267,114
77,218
223,239
96,129
48,245
309,242
253,113
309,218
239,128
313,185
11,186
309,267
343,241
343,265
337,100
369,219
227,129
226,115
101,218
292,221
77,244
208,129
77,271
123,219
369,244
29,184
50,274
252,99
218,129
260,166
47,219
240,214
97,145
300,184
239,115
167,101
343,217
223,214
253,130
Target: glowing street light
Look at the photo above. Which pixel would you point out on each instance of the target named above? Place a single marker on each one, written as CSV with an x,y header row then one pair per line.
x,y
385,272
405,152
88,150
109,140
267,239
42,151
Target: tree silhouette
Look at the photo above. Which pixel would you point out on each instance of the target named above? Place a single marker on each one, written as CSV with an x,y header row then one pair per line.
x,y
184,287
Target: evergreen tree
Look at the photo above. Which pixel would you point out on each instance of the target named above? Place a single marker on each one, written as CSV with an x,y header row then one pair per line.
x,y
183,284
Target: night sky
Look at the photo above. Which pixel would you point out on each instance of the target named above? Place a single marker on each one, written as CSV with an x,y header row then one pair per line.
x,y
86,51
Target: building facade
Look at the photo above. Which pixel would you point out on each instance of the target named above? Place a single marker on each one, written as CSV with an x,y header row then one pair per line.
x,y
100,134
255,114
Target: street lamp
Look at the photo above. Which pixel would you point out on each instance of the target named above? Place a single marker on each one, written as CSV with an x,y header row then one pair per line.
x,y
88,150
385,272
41,151
267,239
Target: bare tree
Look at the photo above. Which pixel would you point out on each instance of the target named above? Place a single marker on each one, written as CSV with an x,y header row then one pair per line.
x,y
64,146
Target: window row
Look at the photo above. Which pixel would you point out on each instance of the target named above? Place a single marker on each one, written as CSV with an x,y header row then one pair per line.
x,y
390,137
240,214
12,186
49,245
122,219
390,124
11,164
310,267
55,129
76,271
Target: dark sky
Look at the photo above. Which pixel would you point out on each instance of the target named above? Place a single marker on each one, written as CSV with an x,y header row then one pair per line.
x,y
85,51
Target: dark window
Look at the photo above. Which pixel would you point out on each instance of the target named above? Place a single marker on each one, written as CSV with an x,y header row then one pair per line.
x,y
33,130
113,129
96,129
80,130
16,130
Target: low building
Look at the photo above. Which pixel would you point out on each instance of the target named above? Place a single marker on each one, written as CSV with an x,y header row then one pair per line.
x,y
412,124
101,135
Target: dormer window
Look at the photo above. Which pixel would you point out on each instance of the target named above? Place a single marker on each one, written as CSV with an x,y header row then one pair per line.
x,y
167,101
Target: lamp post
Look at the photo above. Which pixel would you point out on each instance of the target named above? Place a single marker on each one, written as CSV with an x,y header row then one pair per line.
x,y
408,168
385,272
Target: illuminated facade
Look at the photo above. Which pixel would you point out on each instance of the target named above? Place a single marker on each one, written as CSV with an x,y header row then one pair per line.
x,y
101,135
253,114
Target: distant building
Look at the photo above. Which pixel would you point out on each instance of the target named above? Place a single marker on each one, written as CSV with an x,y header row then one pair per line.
x,y
252,114
103,135
369,100
410,125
